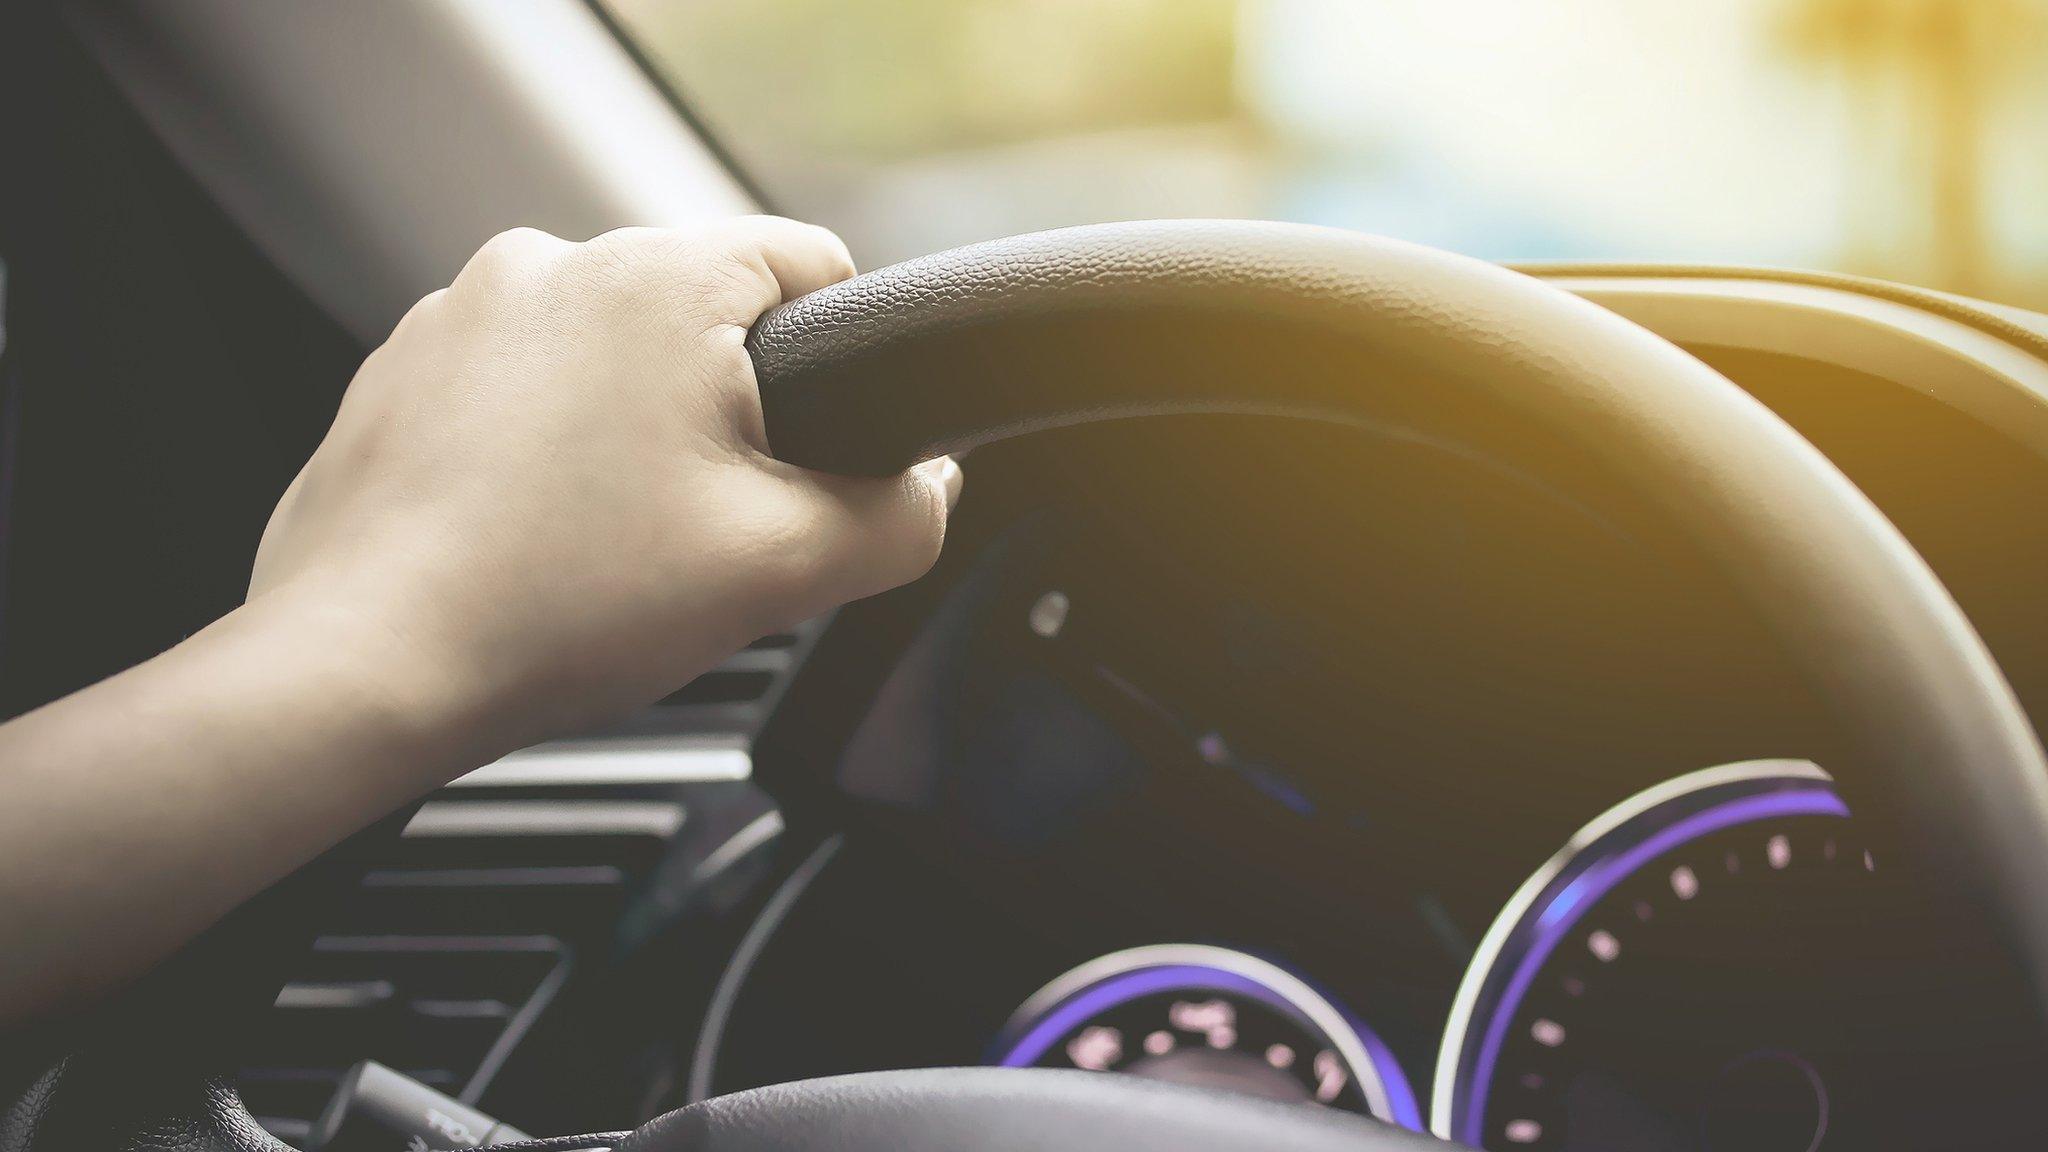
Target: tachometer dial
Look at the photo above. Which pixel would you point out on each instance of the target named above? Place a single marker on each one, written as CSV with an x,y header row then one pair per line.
x,y
1670,980
1196,1014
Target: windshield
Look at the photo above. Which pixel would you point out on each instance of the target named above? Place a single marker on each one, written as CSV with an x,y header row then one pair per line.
x,y
1895,138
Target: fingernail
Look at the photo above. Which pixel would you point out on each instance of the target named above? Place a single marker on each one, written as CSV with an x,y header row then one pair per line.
x,y
953,478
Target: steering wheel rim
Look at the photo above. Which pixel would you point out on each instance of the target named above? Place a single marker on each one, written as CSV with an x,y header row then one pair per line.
x,y
947,352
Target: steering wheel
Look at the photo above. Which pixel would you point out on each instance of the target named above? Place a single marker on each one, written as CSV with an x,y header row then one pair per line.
x,y
996,340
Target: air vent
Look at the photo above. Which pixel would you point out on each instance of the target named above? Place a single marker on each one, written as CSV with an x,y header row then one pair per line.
x,y
743,678
722,687
447,1010
455,945
743,687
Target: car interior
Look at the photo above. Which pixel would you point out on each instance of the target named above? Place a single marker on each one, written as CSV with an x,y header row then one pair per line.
x,y
1370,698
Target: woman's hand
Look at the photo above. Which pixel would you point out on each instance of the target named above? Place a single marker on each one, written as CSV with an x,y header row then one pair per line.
x,y
552,489
546,500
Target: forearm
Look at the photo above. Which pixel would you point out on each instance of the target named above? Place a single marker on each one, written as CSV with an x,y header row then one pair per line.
x,y
140,810
545,501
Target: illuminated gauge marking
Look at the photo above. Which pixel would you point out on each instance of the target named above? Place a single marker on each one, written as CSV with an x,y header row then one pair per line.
x,y
1546,973
1211,1016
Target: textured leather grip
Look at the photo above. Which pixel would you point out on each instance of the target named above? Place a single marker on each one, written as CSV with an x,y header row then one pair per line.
x,y
995,340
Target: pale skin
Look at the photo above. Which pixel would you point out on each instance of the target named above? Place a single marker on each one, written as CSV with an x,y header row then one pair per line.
x,y
546,500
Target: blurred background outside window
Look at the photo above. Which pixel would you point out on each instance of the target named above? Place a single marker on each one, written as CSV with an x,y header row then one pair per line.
x,y
1906,139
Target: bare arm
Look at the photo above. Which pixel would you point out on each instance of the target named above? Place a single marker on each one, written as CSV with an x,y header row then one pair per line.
x,y
546,500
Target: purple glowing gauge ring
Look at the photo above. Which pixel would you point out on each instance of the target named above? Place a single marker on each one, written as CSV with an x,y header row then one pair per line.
x,y
1543,912
1120,977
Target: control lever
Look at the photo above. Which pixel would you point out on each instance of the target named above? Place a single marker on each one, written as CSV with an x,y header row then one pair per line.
x,y
376,1109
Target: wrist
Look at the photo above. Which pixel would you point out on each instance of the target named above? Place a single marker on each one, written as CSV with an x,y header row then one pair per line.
x,y
415,703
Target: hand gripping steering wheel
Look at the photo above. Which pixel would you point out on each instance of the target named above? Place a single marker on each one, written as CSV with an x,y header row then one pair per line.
x,y
1127,320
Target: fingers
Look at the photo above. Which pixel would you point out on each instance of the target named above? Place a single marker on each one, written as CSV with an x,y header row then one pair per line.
x,y
737,268
852,537
871,535
740,267
796,258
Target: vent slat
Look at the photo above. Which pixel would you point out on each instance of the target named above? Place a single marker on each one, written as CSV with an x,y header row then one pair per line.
x,y
721,687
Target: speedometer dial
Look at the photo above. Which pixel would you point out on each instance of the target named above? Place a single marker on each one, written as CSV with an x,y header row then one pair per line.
x,y
1671,979
1213,1017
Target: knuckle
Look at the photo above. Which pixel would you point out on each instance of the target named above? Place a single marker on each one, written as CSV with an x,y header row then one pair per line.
x,y
514,245
755,235
841,256
521,239
422,313
509,255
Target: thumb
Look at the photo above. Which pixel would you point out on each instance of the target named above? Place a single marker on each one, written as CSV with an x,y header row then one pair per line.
x,y
874,534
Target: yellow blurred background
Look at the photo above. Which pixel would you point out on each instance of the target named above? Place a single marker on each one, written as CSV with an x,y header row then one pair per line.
x,y
1906,139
